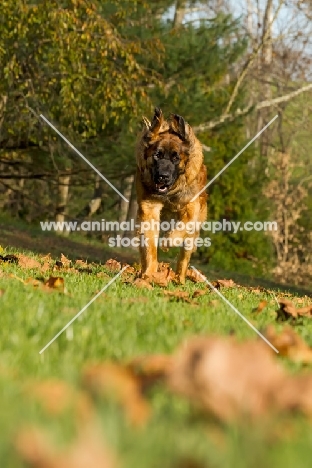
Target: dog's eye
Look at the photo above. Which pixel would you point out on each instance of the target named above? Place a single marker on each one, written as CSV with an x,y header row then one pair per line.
x,y
175,157
158,154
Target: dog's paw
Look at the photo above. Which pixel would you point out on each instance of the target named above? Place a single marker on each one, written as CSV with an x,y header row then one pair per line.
x,y
179,279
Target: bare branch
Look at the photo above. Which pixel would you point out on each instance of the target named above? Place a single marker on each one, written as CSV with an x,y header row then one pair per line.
x,y
261,105
266,37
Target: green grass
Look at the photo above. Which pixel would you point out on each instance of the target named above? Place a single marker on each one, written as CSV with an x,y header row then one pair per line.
x,y
123,323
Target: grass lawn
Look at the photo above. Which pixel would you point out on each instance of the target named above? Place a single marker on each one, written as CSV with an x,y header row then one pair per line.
x,y
125,322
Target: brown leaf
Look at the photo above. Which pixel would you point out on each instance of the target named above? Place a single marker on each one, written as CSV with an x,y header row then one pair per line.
x,y
289,344
255,290
150,369
101,274
195,276
199,292
305,311
33,282
226,283
226,377
47,263
86,451
260,307
27,262
142,284
2,291
81,264
179,296
288,310
56,397
113,265
65,261
55,282
160,278
46,258
129,270
119,383
165,268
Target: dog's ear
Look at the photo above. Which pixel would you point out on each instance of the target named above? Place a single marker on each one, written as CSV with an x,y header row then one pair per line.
x,y
152,129
157,121
178,126
181,128
147,123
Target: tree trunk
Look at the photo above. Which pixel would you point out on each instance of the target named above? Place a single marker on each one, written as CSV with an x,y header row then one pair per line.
x,y
266,65
126,191
62,200
132,210
94,204
179,13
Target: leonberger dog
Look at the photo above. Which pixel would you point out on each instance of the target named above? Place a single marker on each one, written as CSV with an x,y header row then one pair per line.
x,y
170,173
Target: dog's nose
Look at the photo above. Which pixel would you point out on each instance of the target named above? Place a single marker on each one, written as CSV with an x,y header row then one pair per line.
x,y
163,177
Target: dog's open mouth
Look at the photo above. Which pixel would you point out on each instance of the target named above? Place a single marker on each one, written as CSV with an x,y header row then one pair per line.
x,y
162,188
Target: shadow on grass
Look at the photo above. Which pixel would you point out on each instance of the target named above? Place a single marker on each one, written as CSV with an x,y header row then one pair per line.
x,y
26,237
252,281
13,234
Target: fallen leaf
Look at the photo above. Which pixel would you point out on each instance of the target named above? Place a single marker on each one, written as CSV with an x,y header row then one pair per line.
x,y
226,283
113,265
129,270
27,262
101,274
165,269
47,263
142,284
2,291
118,382
55,282
150,369
199,292
179,296
195,276
289,344
288,310
81,264
33,282
86,451
56,397
227,378
160,278
260,307
65,261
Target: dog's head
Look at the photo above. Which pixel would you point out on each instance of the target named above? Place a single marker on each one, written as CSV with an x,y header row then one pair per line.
x,y
166,146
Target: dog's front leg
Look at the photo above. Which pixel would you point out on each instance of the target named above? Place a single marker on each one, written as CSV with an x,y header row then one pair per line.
x,y
149,219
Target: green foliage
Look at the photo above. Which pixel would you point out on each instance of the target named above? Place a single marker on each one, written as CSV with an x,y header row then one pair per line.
x,y
94,68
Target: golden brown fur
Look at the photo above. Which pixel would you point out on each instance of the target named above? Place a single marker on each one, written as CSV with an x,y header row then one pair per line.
x,y
169,151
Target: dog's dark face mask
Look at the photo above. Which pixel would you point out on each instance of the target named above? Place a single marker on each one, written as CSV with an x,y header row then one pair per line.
x,y
165,169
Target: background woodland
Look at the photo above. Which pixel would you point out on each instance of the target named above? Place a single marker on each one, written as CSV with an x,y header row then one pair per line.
x,y
94,68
